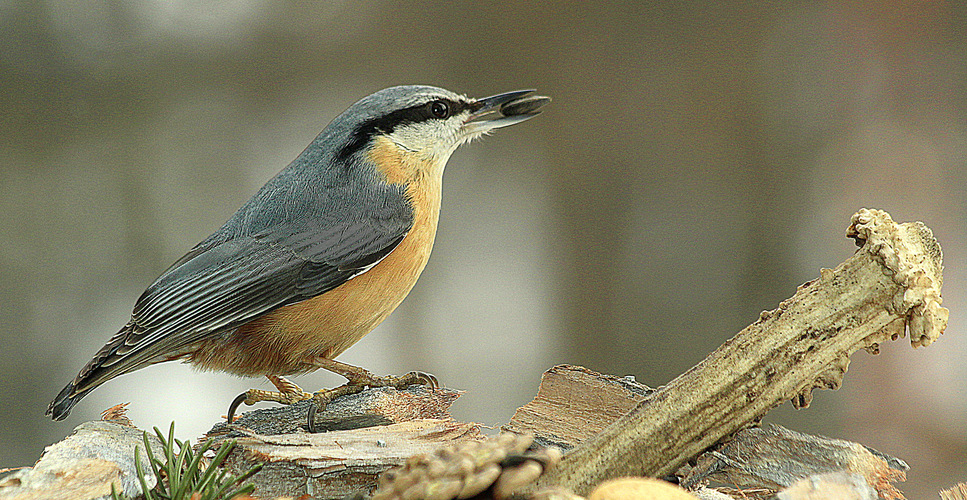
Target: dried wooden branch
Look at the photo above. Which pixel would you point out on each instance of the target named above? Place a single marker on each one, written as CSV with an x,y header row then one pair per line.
x,y
891,283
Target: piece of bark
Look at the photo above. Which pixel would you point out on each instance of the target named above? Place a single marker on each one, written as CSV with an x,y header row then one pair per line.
x,y
84,465
367,433
574,403
374,406
775,457
958,492
890,284
338,463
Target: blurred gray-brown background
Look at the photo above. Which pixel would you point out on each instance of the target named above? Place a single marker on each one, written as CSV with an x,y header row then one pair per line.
x,y
697,164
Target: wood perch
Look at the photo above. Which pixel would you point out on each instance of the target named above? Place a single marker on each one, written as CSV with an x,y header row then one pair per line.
x,y
375,406
369,432
890,284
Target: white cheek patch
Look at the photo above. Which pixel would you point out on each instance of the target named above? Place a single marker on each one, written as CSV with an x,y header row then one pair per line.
x,y
433,138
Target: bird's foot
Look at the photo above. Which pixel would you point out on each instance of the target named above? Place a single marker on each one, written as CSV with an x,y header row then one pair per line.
x,y
360,379
361,376
288,393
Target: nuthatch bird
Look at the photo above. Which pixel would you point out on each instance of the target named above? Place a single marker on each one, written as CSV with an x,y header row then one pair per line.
x,y
323,253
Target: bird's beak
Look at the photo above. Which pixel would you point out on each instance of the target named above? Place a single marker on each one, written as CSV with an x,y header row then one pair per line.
x,y
503,110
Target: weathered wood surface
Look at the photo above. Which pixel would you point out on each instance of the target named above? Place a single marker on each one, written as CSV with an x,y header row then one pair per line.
x,y
338,463
831,486
574,403
83,466
958,492
368,433
774,457
374,406
891,284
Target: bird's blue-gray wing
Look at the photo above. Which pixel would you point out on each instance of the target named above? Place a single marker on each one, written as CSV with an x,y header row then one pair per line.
x,y
229,283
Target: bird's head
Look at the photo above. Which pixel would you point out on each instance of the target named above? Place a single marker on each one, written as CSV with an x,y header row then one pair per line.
x,y
411,130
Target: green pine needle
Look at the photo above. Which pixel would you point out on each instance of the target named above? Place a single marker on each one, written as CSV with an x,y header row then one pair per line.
x,y
180,475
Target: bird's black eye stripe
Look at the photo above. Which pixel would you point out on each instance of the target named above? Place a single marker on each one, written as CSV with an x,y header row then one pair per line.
x,y
414,114
434,110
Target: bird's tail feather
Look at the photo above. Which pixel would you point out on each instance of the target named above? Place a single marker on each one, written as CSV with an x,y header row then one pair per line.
x,y
92,375
61,406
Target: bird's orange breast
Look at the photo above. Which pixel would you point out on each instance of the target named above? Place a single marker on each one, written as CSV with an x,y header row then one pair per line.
x,y
284,341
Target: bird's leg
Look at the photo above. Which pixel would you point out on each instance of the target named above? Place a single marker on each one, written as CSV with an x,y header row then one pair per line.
x,y
358,379
288,393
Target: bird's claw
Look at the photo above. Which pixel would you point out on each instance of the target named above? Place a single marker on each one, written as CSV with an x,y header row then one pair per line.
x,y
252,396
234,406
417,378
322,398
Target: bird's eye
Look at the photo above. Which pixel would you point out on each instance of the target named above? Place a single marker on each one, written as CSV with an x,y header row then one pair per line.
x,y
439,109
